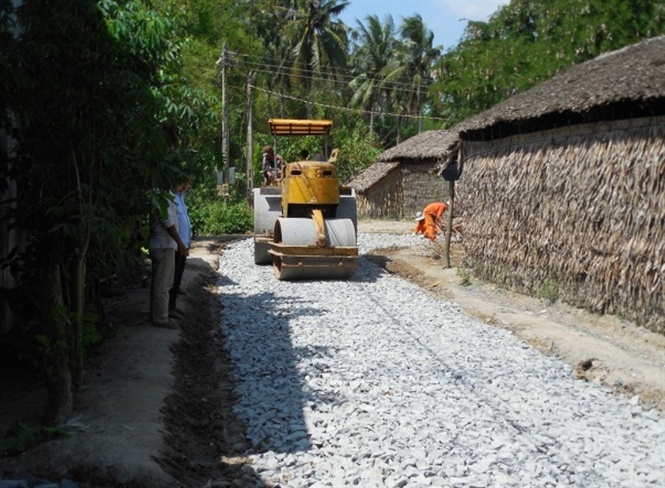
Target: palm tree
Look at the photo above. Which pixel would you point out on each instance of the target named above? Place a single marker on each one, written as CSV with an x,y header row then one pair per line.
x,y
319,42
375,48
269,26
415,61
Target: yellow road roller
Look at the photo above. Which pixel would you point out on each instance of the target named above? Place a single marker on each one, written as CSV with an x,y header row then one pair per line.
x,y
305,224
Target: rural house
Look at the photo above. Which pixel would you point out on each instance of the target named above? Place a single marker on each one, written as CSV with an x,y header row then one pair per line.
x,y
564,187
403,180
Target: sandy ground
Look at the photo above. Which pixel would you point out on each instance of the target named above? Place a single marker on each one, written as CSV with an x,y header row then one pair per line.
x,y
156,408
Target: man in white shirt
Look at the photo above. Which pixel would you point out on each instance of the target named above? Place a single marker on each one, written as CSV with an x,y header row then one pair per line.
x,y
185,231
162,245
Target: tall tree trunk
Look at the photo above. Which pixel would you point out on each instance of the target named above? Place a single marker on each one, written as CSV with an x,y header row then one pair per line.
x,y
77,284
78,309
282,109
308,90
59,403
371,118
399,129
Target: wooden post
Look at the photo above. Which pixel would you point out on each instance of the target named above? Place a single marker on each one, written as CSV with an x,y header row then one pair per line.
x,y
449,225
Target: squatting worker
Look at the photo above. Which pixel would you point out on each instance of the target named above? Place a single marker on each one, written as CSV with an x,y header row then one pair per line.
x,y
429,220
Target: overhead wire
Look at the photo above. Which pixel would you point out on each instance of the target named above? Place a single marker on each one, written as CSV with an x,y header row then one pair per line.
x,y
261,66
343,75
341,108
302,73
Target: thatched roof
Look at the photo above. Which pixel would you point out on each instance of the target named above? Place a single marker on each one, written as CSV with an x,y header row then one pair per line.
x,y
431,145
608,85
372,175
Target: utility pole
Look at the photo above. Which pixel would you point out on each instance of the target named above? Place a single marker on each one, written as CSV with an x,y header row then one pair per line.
x,y
225,115
250,137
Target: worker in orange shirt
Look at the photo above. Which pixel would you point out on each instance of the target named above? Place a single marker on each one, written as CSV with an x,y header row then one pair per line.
x,y
429,220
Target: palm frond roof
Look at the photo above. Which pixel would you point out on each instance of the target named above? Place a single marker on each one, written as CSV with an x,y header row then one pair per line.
x,y
613,84
431,145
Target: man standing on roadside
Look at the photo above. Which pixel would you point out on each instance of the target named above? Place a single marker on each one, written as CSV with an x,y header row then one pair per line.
x,y
185,231
163,242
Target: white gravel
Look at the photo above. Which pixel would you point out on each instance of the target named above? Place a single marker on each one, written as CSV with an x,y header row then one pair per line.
x,y
374,383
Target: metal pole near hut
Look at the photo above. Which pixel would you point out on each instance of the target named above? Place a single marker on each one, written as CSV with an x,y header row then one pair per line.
x,y
450,173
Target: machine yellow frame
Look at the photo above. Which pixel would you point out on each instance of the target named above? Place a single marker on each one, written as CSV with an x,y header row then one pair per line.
x,y
306,223
299,127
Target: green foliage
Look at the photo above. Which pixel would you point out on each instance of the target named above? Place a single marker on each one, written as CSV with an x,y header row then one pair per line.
x,y
23,436
99,107
213,217
358,149
464,276
57,338
528,41
549,291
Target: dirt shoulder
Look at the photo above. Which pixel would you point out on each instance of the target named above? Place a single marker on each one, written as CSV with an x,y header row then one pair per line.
x,y
156,410
603,349
157,406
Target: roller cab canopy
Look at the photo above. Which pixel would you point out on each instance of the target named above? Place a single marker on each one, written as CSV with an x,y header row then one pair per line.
x,y
299,127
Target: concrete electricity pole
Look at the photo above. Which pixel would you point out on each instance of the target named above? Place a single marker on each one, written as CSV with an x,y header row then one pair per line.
x,y
223,63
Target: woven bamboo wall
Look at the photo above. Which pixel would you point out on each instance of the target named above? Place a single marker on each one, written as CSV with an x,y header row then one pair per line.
x,y
580,207
383,199
422,187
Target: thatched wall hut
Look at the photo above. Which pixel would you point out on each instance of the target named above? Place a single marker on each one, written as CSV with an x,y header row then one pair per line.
x,y
379,191
404,179
564,187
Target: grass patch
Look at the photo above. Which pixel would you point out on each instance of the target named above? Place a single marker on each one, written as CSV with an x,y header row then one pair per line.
x,y
24,436
464,276
548,291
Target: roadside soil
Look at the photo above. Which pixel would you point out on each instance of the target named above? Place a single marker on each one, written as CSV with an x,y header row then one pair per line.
x,y
156,408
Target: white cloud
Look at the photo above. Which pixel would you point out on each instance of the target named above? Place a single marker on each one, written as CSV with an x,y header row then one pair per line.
x,y
475,9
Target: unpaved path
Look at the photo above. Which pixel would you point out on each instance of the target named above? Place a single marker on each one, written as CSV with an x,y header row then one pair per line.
x,y
156,409
604,349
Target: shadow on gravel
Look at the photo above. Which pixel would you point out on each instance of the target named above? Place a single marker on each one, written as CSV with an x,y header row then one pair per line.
x,y
204,436
274,394
272,387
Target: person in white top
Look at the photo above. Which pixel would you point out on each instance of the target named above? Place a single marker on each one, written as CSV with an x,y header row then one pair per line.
x,y
163,242
185,231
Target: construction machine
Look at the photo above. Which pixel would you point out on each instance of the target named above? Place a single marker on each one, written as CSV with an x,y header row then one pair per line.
x,y
305,223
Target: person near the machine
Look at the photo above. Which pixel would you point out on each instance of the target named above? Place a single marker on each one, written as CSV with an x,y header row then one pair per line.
x,y
268,168
429,220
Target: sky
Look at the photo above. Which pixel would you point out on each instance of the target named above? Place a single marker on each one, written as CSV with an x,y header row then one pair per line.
x,y
445,18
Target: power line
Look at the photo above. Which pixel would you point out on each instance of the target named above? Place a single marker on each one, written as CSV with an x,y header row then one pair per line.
x,y
346,109
343,76
345,73
345,85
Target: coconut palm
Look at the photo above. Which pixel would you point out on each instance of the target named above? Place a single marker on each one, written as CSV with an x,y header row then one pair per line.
x,y
375,48
414,63
319,41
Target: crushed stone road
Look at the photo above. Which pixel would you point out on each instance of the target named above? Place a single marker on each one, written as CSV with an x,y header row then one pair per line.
x,y
372,382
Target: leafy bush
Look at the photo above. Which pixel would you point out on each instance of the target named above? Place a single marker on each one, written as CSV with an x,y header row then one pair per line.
x,y
464,276
217,217
23,436
548,291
